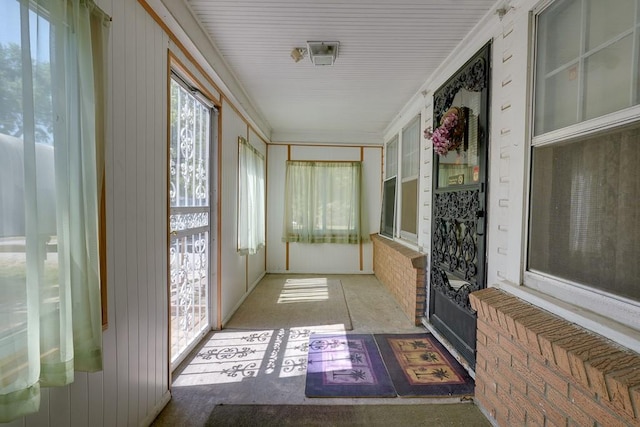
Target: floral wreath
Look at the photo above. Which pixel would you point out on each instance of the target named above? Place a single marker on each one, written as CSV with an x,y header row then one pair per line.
x,y
448,136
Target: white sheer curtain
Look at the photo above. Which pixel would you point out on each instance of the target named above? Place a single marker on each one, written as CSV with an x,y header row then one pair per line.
x,y
323,202
50,310
251,199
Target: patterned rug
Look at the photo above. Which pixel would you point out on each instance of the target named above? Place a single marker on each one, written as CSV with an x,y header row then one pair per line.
x,y
341,365
420,366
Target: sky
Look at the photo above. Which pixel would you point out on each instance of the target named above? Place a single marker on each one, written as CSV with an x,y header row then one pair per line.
x,y
10,29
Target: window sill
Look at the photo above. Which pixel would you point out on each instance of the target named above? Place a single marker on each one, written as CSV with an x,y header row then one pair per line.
x,y
615,331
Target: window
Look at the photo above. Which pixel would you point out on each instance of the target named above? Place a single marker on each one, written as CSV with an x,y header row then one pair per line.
x,y
51,168
409,183
584,229
388,217
323,202
251,201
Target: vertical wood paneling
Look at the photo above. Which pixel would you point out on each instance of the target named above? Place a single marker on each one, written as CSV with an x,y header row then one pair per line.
x,y
79,395
142,208
131,199
119,223
153,144
109,337
95,395
59,406
40,418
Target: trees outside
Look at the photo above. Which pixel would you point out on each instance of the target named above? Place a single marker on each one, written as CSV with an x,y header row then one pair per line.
x,y
11,96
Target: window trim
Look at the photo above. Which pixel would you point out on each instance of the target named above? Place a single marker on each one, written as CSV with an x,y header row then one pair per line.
x,y
620,320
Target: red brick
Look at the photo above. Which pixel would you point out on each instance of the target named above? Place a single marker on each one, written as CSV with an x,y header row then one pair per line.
x,y
510,319
551,414
490,332
619,384
516,413
524,324
575,343
578,357
601,414
515,350
531,378
476,297
635,398
550,377
572,410
533,414
547,338
597,369
514,379
550,326
497,351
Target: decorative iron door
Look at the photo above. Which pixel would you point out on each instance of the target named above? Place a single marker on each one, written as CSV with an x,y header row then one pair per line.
x,y
189,219
461,114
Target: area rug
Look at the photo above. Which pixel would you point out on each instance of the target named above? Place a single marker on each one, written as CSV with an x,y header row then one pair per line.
x,y
346,366
420,366
293,302
459,414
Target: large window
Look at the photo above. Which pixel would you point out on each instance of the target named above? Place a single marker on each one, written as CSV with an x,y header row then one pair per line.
x,y
251,198
323,202
51,171
410,165
584,227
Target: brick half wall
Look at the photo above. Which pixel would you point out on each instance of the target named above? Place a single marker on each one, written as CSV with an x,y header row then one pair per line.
x,y
402,271
535,368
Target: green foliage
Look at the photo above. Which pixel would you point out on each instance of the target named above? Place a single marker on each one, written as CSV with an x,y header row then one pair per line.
x,y
11,96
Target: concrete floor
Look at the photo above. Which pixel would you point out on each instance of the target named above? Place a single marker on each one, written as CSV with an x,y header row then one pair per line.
x,y
241,366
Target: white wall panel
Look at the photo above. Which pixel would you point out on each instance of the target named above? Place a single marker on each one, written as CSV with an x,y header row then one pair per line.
x,y
234,286
276,250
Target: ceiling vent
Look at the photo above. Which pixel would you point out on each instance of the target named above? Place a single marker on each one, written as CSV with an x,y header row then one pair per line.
x,y
323,53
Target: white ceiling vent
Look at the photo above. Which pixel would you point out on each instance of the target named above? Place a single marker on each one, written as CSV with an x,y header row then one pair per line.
x,y
323,53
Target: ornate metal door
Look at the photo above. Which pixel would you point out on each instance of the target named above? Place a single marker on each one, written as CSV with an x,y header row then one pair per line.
x,y
190,216
461,114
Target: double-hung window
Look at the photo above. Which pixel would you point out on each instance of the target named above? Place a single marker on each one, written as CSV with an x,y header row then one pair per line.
x,y
323,202
584,225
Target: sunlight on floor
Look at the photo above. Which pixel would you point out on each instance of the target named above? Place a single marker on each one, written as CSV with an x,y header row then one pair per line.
x,y
235,356
304,290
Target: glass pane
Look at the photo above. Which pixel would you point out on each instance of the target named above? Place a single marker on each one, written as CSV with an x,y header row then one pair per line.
x,y
188,257
559,34
462,166
392,159
584,223
388,207
557,101
189,149
409,220
411,150
608,19
608,79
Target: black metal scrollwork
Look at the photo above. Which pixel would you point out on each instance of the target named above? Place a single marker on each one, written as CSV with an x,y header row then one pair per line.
x,y
473,78
455,245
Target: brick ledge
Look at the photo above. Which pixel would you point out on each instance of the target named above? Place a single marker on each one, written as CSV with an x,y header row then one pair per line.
x,y
598,364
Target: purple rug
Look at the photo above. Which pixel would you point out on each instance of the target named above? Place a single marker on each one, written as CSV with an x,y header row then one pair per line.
x,y
346,366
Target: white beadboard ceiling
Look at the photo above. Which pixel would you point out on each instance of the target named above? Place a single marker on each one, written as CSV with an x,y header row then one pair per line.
x,y
388,49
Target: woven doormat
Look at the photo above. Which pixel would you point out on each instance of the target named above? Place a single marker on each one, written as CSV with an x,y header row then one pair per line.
x,y
342,365
420,366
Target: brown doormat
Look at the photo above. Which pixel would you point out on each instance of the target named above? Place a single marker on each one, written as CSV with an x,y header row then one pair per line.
x,y
455,414
420,366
